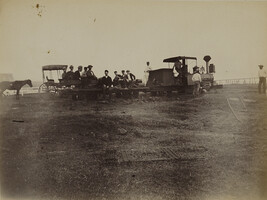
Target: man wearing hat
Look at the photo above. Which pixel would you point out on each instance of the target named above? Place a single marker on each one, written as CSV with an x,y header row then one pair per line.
x,y
262,79
146,72
77,74
64,73
70,74
130,76
124,78
196,78
90,74
106,84
116,78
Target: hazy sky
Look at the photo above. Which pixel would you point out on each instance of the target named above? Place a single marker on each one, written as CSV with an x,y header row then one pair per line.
x,y
124,34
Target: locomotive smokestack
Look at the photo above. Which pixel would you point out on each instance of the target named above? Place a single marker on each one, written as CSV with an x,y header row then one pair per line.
x,y
207,59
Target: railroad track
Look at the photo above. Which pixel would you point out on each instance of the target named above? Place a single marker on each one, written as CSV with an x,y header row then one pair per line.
x,y
237,107
161,154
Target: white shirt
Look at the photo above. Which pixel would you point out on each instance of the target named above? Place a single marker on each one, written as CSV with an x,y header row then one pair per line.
x,y
146,74
84,74
196,77
175,73
148,68
262,73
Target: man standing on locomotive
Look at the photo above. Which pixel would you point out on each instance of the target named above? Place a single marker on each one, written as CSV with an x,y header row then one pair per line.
x,y
146,73
177,72
196,78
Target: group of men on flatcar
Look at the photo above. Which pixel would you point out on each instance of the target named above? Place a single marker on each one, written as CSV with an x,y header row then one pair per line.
x,y
124,79
86,75
79,74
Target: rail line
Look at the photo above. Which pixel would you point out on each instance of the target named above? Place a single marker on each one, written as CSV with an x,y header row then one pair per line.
x,y
240,99
249,81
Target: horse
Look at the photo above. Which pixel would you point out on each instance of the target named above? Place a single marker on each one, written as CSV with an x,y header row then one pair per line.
x,y
15,85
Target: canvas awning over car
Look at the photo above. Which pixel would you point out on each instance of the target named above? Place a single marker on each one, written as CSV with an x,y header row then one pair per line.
x,y
54,67
178,58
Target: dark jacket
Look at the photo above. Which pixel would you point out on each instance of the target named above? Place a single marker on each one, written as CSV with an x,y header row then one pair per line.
x,y
131,77
90,73
116,80
76,75
106,81
64,75
69,75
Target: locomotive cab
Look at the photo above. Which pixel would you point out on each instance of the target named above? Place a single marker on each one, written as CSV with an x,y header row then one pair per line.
x,y
179,76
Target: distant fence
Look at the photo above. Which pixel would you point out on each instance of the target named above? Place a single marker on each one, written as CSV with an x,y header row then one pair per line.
x,y
250,81
24,90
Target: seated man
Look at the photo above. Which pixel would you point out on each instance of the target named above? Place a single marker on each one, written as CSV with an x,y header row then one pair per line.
x,y
64,74
123,80
116,79
90,74
130,78
84,77
106,84
84,73
70,74
77,74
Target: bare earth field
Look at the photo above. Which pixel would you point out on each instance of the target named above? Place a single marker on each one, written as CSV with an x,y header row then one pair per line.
x,y
144,148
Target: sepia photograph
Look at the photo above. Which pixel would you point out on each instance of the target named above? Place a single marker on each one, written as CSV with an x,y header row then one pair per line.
x,y
133,100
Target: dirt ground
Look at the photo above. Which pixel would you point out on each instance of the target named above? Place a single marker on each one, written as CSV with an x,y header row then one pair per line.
x,y
143,148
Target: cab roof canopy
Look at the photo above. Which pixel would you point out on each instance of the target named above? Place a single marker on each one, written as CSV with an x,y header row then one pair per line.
x,y
178,58
54,67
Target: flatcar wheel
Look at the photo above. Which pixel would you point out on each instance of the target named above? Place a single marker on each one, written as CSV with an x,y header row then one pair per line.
x,y
153,93
47,90
161,93
136,94
118,94
91,96
94,96
52,90
169,93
